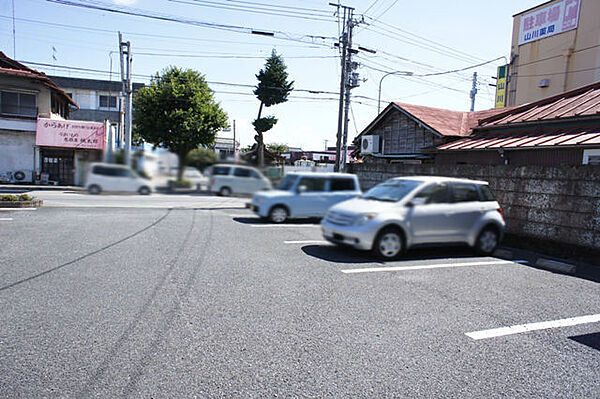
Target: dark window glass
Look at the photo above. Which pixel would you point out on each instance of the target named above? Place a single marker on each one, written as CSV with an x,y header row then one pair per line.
x,y
391,190
435,194
240,172
27,104
486,193
254,174
220,170
312,183
342,184
10,103
108,101
463,192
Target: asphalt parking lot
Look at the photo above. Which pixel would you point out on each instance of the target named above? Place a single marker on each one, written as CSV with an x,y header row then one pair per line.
x,y
213,302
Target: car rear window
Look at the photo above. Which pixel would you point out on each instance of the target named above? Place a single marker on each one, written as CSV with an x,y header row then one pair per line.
x,y
464,192
241,172
486,194
106,171
312,183
342,184
220,170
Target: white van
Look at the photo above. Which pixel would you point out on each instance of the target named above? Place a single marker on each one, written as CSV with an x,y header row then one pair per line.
x,y
116,178
235,179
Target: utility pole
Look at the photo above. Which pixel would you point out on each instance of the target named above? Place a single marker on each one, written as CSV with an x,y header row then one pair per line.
x,y
348,80
473,91
126,60
234,147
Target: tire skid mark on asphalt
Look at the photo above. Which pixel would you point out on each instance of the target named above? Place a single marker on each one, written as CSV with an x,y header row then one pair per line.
x,y
35,276
171,315
137,319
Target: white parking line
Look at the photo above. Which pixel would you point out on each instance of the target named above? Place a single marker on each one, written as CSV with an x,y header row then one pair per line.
x,y
6,219
544,325
285,225
439,266
307,242
18,209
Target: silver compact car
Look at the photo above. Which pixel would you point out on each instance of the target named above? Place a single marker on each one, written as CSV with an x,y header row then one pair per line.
x,y
404,212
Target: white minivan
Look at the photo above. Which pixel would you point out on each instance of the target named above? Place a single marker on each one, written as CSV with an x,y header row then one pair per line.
x,y
226,180
116,178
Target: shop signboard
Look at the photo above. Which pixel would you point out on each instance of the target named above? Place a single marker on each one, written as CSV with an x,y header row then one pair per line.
x,y
550,20
500,101
70,134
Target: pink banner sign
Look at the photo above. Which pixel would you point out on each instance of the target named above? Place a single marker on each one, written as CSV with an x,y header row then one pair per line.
x,y
70,134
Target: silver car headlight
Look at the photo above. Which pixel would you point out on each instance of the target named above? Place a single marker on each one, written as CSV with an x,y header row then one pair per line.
x,y
363,218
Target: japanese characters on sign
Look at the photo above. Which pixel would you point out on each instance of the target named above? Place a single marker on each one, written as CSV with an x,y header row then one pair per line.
x,y
551,20
500,101
70,134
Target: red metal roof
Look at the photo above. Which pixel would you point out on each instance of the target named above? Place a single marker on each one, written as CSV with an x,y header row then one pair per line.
x,y
576,137
447,122
11,67
581,102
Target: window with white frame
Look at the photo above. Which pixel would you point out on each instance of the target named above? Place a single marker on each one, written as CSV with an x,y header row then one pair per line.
x,y
108,102
591,157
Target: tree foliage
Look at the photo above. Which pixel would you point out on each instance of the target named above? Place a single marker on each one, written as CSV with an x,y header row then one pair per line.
x,y
200,158
177,111
273,88
278,148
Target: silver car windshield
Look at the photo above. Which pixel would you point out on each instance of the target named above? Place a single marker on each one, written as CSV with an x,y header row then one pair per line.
x,y
287,182
391,191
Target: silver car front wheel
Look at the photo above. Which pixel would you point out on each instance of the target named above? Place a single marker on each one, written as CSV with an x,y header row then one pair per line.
x,y
389,244
278,214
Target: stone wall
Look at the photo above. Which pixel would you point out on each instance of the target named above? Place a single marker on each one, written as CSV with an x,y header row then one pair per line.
x,y
557,207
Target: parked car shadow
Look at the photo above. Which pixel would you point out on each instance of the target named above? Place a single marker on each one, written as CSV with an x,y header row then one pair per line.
x,y
258,220
592,340
344,254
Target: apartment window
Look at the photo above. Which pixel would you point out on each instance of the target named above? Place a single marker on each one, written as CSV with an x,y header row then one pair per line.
x,y
591,157
108,101
18,103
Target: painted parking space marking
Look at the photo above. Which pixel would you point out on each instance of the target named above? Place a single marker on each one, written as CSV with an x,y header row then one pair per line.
x,y
285,225
307,242
522,328
424,267
18,209
6,219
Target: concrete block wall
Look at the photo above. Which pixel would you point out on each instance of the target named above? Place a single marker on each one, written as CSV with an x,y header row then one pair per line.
x,y
559,204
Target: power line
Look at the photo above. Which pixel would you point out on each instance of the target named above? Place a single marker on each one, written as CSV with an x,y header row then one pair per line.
x,y
80,69
371,6
229,56
186,38
99,6
256,10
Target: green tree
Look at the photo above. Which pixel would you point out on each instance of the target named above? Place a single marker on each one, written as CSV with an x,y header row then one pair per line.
x,y
278,148
273,88
200,158
177,111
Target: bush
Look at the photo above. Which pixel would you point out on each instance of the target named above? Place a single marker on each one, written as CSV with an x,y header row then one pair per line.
x,y
180,183
11,197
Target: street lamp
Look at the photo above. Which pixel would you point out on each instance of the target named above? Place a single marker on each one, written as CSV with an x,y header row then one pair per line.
x,y
403,73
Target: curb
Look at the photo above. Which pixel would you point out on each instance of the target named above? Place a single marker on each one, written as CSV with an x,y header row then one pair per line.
x,y
556,266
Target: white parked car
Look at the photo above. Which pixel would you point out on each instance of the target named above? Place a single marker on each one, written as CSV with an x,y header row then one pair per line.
x,y
405,212
305,195
236,179
103,177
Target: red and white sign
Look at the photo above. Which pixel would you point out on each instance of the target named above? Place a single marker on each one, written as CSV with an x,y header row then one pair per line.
x,y
551,20
70,134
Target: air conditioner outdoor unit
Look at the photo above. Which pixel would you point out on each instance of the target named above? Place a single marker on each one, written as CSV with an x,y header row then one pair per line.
x,y
25,176
370,145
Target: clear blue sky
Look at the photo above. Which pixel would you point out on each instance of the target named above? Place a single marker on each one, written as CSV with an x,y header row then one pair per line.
x,y
450,35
